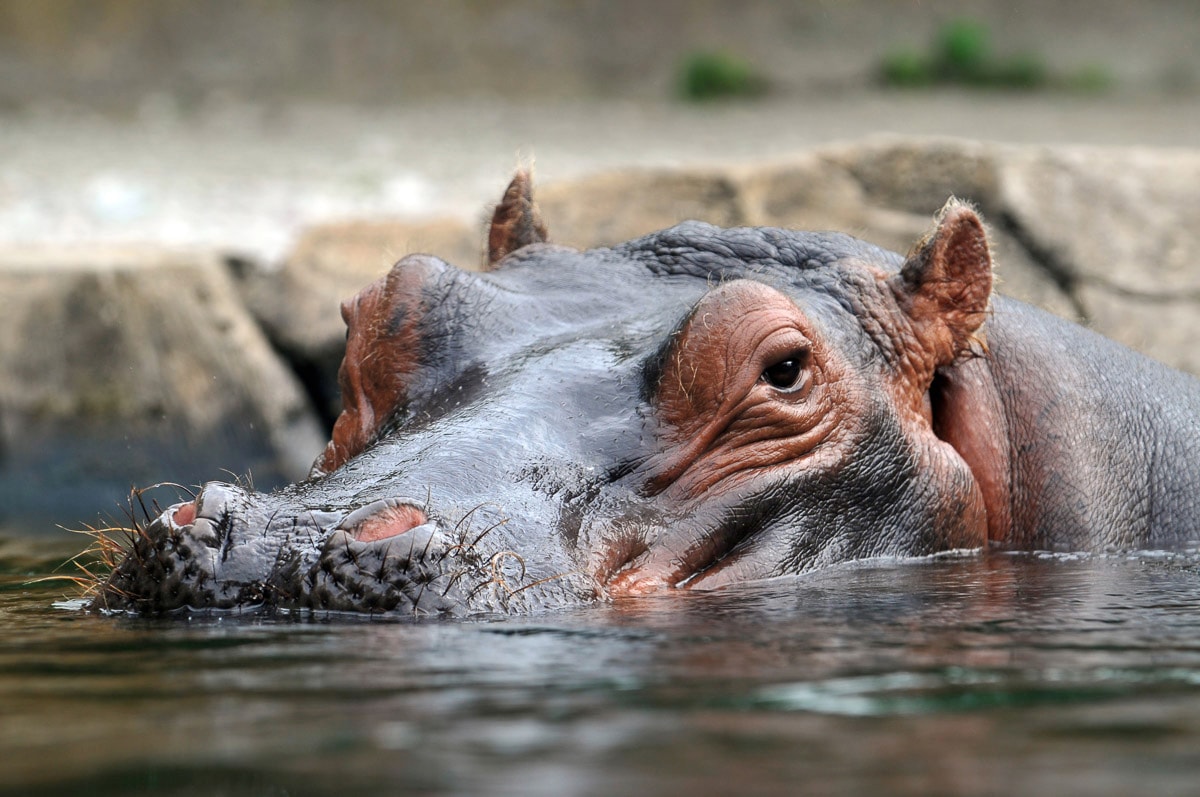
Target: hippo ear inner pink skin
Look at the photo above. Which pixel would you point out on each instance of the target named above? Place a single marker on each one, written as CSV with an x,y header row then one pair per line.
x,y
516,221
945,285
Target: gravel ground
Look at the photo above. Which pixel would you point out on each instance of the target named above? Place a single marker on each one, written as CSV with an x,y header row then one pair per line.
x,y
245,179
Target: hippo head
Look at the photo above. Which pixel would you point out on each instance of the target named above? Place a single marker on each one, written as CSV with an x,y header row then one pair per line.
x,y
696,407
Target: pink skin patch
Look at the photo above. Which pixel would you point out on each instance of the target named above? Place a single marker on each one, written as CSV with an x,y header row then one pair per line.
x,y
388,522
184,514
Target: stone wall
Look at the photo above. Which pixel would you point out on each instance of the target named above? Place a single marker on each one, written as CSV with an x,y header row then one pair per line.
x,y
128,367
131,367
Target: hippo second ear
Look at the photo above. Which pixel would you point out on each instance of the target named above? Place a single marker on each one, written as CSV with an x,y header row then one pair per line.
x,y
516,221
946,283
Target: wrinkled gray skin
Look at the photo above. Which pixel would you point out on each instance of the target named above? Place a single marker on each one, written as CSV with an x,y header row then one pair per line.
x,y
526,437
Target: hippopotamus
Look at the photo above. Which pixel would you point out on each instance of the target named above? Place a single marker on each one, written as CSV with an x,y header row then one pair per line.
x,y
689,410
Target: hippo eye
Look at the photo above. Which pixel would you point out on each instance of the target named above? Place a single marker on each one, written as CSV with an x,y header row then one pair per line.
x,y
787,374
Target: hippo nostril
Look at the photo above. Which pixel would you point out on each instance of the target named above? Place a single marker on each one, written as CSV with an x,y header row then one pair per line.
x,y
383,519
184,514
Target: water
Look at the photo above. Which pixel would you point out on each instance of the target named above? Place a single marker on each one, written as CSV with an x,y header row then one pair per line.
x,y
1001,674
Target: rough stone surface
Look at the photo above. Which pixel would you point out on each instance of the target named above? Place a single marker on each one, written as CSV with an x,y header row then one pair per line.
x,y
914,176
1122,218
606,209
1120,228
126,367
810,192
1020,276
1166,328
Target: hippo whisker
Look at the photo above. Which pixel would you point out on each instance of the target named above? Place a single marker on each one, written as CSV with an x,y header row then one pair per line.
x,y
244,482
466,519
381,573
312,529
283,555
452,550
145,512
190,493
107,552
454,577
424,549
495,563
545,580
102,547
352,555
479,588
224,530
138,528
85,583
486,532
416,607
266,529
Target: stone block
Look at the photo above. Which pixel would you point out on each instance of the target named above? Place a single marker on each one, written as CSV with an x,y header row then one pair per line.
x,y
1126,218
123,367
609,208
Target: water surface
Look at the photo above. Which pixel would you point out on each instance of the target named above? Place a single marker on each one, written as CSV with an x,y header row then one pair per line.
x,y
997,674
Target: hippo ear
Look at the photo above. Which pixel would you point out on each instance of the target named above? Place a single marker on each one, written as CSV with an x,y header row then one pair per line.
x,y
516,221
946,283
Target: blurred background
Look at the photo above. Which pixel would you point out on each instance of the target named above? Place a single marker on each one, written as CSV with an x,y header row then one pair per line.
x,y
187,190
235,123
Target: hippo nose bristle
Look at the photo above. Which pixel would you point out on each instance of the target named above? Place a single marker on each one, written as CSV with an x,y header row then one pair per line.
x,y
383,519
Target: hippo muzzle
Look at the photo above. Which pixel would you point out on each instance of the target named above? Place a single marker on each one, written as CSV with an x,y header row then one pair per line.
x,y
234,549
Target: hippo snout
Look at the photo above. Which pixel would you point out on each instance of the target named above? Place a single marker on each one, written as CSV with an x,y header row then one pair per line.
x,y
229,548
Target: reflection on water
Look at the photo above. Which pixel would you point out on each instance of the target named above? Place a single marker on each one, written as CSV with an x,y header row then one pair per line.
x,y
963,674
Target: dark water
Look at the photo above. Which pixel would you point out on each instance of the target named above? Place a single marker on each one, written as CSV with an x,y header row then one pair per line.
x,y
1000,674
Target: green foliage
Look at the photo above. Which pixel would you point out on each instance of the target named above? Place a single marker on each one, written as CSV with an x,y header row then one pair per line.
x,y
906,68
707,76
961,55
1093,77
